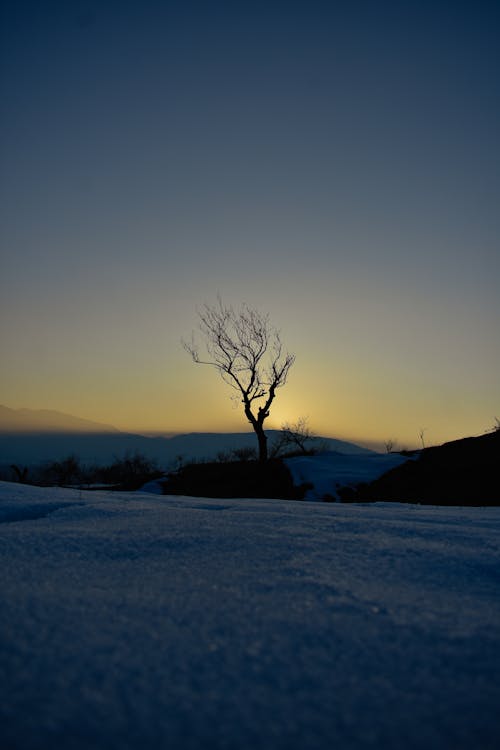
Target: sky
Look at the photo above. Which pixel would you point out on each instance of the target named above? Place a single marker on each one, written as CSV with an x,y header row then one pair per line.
x,y
333,164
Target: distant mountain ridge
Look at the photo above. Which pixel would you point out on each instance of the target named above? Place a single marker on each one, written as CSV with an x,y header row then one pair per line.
x,y
47,420
97,443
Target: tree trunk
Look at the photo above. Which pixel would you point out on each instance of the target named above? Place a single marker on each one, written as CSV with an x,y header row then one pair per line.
x,y
262,438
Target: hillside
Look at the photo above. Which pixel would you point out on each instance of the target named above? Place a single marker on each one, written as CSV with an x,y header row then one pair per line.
x,y
459,472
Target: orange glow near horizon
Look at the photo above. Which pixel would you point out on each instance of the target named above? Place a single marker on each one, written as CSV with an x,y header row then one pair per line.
x,y
360,409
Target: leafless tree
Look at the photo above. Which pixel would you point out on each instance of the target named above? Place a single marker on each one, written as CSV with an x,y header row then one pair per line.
x,y
421,434
297,435
390,445
248,353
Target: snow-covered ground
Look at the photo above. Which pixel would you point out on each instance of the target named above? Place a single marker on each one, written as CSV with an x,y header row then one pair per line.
x,y
133,621
329,471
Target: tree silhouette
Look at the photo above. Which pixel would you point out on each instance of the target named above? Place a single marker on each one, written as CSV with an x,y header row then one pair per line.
x,y
298,436
248,354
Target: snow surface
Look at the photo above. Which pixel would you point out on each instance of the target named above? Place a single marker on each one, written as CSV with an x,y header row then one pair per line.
x,y
133,621
329,471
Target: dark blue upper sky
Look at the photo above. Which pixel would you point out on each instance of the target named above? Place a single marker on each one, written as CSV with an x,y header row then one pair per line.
x,y
335,163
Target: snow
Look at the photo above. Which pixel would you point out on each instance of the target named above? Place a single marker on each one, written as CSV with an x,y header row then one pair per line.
x,y
154,486
135,621
330,470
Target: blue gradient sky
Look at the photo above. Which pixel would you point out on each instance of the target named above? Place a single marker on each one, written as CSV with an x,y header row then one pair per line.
x,y
334,164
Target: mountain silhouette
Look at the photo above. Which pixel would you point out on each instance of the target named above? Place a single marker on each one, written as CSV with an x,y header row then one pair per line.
x,y
47,420
24,441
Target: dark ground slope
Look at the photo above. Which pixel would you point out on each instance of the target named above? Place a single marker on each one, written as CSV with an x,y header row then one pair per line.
x,y
234,479
462,472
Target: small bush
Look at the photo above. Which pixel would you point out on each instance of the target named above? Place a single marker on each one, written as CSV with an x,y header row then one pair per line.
x,y
129,472
65,472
